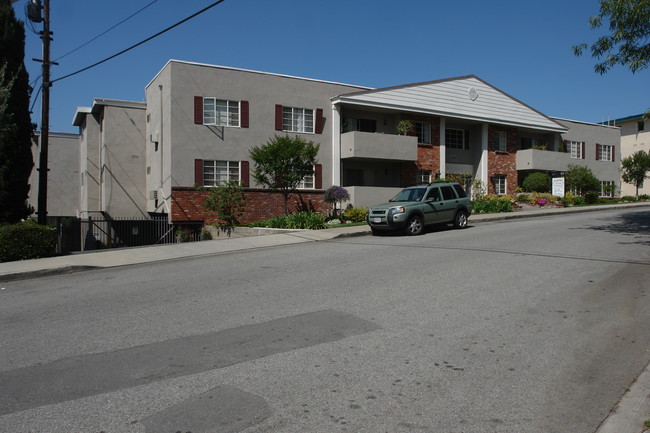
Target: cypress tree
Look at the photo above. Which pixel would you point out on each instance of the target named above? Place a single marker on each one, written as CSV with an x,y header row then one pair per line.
x,y
16,129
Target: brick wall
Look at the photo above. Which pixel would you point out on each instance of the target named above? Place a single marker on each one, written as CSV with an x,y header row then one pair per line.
x,y
187,205
428,154
503,162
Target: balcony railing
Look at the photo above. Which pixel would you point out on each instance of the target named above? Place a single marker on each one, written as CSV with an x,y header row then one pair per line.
x,y
357,144
534,159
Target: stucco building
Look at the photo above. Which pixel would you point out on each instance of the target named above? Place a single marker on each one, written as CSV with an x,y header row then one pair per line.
x,y
635,136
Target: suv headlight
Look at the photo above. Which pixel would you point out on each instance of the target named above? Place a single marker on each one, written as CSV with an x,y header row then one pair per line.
x,y
395,210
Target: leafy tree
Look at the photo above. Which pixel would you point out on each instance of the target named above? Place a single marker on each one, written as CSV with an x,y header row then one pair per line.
x,y
228,200
634,169
627,42
537,182
581,179
15,124
283,162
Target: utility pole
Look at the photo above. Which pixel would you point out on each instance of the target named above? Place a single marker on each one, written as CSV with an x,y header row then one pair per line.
x,y
45,116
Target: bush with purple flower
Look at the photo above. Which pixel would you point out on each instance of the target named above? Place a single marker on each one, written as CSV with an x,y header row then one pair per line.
x,y
336,194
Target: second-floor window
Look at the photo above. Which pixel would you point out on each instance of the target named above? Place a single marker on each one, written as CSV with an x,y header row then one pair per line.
x,y
220,112
454,138
605,152
218,172
575,148
297,119
500,141
423,131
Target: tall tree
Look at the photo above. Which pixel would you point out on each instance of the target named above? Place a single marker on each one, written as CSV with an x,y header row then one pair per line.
x,y
628,41
16,129
283,162
635,168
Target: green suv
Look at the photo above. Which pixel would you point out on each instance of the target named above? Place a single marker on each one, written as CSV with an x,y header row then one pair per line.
x,y
418,206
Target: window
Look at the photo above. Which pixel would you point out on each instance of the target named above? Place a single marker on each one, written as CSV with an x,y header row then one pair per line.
x,y
307,182
605,152
423,131
217,172
640,126
575,147
298,120
607,188
531,143
454,138
424,176
499,184
447,193
220,112
364,125
500,141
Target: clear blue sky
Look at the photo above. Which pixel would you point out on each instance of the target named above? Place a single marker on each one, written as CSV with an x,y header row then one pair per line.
x,y
523,48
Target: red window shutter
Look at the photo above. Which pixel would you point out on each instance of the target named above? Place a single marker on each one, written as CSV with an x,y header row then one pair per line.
x,y
198,110
583,150
278,117
198,172
597,151
244,114
318,176
613,153
319,121
245,174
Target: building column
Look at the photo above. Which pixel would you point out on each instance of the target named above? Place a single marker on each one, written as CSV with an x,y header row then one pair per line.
x,y
483,165
336,144
443,148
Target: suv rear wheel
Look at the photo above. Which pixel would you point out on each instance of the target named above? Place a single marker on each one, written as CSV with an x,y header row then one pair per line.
x,y
414,226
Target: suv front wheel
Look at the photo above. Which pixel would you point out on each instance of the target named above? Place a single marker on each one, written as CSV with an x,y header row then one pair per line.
x,y
460,220
414,226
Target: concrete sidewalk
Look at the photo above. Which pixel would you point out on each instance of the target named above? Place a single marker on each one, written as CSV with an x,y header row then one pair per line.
x,y
11,271
627,417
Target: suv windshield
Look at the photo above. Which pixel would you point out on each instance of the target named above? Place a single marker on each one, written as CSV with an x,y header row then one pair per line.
x,y
410,194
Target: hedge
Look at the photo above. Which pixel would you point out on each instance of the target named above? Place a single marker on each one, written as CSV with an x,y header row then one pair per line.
x,y
26,240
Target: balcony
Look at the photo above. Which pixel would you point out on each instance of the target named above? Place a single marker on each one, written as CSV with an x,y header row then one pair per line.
x,y
374,145
545,160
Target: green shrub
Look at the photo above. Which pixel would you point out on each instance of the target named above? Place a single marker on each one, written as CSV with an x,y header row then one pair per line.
x,y
537,182
355,214
523,198
591,197
644,197
299,220
26,240
492,204
206,235
628,198
579,201
183,236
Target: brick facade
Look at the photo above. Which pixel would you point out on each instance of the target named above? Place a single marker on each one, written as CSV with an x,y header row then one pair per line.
x,y
503,162
428,154
187,204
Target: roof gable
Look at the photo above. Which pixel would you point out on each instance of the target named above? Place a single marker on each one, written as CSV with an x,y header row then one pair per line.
x,y
466,97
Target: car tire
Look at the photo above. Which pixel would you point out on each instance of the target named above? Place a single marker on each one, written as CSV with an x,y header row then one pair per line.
x,y
414,226
460,220
374,231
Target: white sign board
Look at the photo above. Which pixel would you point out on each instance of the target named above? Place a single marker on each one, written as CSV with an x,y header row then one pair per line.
x,y
558,186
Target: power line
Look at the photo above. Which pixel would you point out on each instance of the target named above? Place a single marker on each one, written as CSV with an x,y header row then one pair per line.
x,y
140,43
106,31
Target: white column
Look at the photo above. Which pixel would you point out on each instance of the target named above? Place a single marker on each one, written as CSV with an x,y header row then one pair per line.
x,y
443,148
336,144
484,155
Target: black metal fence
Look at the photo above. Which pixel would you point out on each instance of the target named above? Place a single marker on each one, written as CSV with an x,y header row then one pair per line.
x,y
102,233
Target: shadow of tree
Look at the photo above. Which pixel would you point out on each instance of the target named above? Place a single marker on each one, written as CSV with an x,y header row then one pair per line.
x,y
633,224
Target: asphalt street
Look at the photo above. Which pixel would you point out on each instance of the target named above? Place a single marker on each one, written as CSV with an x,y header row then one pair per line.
x,y
520,326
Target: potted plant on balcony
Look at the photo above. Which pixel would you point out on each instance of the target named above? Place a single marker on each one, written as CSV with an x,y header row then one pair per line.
x,y
405,127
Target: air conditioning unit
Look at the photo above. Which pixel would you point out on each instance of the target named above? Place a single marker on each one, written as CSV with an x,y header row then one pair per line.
x,y
153,195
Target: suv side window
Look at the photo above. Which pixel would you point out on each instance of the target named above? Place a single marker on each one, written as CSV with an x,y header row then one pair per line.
x,y
448,193
434,194
460,191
